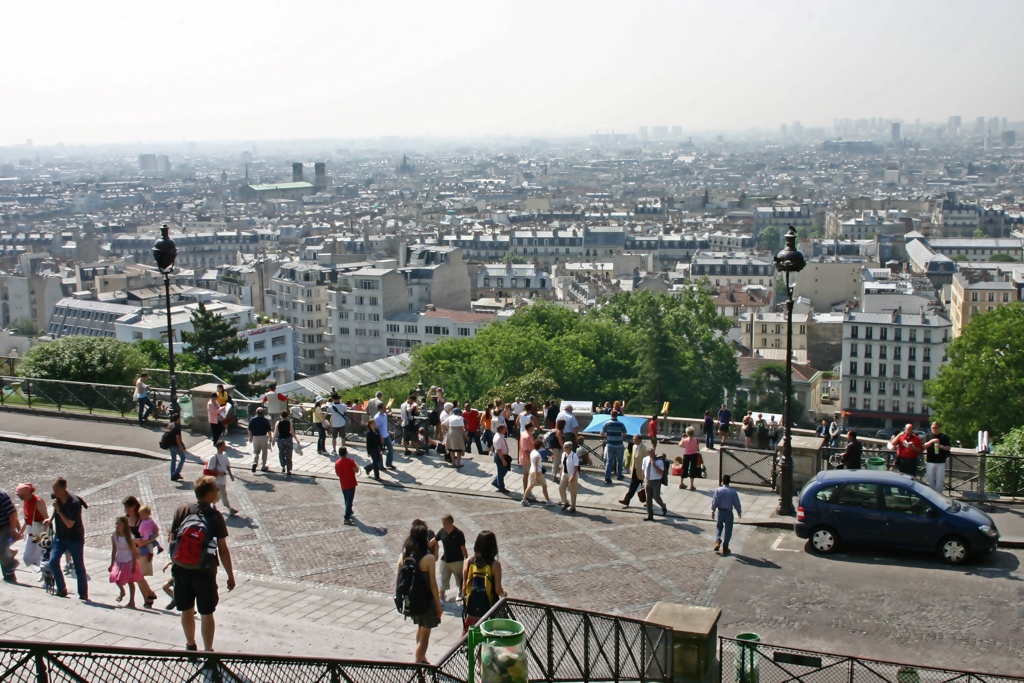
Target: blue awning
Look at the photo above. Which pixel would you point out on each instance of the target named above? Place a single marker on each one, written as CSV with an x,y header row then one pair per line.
x,y
634,423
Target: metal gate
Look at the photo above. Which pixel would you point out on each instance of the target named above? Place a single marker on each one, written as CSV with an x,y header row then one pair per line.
x,y
748,466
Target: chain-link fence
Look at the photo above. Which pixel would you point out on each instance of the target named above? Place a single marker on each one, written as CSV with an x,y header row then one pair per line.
x,y
748,466
744,661
575,645
34,662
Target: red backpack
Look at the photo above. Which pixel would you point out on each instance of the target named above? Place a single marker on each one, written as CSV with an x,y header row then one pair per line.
x,y
194,546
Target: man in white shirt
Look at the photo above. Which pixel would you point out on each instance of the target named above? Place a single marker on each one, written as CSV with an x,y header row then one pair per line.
x,y
570,478
654,473
374,404
572,425
382,424
499,446
337,410
518,406
275,404
220,468
409,412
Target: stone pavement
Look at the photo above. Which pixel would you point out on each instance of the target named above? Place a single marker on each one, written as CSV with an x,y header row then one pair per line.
x,y
429,472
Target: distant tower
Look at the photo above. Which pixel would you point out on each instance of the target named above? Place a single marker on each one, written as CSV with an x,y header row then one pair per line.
x,y
297,172
895,132
223,177
643,133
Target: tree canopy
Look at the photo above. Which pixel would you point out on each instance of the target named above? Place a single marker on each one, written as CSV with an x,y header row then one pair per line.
x,y
214,343
641,347
982,386
1002,258
97,360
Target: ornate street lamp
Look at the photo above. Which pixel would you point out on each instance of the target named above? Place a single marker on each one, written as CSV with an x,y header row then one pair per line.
x,y
165,252
789,260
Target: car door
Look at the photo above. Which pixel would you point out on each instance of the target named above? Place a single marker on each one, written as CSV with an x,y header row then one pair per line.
x,y
856,512
908,523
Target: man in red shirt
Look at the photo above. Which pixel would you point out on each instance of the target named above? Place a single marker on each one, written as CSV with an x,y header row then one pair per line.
x,y
346,468
472,419
908,446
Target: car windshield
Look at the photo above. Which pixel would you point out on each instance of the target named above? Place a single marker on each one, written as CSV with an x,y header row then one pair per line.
x,y
935,498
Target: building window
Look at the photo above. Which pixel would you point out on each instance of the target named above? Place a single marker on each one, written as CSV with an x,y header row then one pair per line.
x,y
360,332
869,332
373,301
883,333
974,296
881,369
897,352
881,388
912,355
374,333
344,363
926,372
896,370
853,367
911,390
261,344
913,336
853,385
868,350
867,369
910,406
487,282
368,284
867,403
853,350
360,316
343,315
853,403
282,357
911,372
463,331
803,329
360,300
393,328
867,386
895,389
411,329
277,341
898,334
854,331
927,355
882,352
342,330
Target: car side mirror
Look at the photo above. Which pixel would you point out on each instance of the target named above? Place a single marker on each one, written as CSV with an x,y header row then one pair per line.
x,y
932,512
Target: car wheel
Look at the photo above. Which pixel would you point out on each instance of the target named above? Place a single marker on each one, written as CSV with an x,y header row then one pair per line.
x,y
824,540
954,550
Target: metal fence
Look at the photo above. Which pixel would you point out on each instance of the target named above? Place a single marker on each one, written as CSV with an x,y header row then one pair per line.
x,y
71,396
831,458
565,644
748,466
9,364
42,662
750,662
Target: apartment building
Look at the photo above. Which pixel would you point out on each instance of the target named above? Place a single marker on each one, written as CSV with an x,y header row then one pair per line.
x,y
977,248
887,358
298,295
508,280
973,294
146,323
196,249
729,268
74,316
765,335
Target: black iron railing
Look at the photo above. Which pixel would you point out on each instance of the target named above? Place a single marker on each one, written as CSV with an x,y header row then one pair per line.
x,y
742,661
748,466
575,645
831,458
57,394
40,662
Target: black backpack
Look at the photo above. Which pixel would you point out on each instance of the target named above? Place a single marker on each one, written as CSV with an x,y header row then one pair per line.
x,y
412,595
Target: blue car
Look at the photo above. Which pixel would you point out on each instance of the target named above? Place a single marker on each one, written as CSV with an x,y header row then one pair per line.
x,y
886,508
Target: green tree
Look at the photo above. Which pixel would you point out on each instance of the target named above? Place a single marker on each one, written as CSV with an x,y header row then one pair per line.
x,y
214,342
97,360
769,238
158,357
1002,258
26,327
770,392
959,257
803,233
982,386
1007,476
978,233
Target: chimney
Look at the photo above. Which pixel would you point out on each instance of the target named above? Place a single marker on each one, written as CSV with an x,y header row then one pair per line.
x,y
297,172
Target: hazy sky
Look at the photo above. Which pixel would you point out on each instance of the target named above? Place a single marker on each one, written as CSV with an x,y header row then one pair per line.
x,y
123,71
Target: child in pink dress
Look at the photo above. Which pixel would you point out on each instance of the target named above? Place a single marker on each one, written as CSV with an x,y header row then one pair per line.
x,y
124,560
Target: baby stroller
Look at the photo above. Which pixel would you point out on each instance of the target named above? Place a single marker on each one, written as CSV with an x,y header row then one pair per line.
x,y
45,544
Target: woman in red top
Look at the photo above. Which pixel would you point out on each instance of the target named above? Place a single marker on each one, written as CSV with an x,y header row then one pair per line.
x,y
652,431
34,510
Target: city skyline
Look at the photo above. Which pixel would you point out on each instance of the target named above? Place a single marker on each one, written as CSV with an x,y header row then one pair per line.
x,y
256,72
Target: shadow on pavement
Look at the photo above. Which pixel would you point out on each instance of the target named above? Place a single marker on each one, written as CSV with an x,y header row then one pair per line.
x,y
1000,563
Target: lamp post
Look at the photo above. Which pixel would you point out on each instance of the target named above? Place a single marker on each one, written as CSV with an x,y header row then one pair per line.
x,y
165,252
789,260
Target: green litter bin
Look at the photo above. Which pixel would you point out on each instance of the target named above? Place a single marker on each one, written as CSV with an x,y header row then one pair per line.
x,y
500,658
747,658
876,463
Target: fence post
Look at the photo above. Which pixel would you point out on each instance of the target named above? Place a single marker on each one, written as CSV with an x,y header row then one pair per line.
x,y
981,473
586,648
618,633
336,677
549,613
28,392
720,464
42,676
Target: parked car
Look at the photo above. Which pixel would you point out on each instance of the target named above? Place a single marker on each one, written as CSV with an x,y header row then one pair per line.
x,y
874,507
884,434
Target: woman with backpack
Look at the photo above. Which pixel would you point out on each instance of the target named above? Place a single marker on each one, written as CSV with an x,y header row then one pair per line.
x,y
481,579
553,441
416,588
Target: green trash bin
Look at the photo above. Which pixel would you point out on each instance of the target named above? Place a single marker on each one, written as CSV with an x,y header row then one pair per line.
x,y
876,463
747,658
501,660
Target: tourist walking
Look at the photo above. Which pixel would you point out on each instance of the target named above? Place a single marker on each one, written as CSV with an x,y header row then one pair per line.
x,y
199,544
502,461
854,450
761,426
259,436
773,433
908,447
834,431
724,504
35,515
654,469
146,406
417,551
691,458
709,430
571,431
381,418
124,560
487,424
724,418
455,435
525,446
133,513
409,427
171,442
346,469
452,543
213,417
481,580
636,472
69,537
274,402
536,475
471,417
614,448
286,438
148,543
748,428
937,451
318,418
9,534
553,441
374,444
219,467
570,478
338,412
